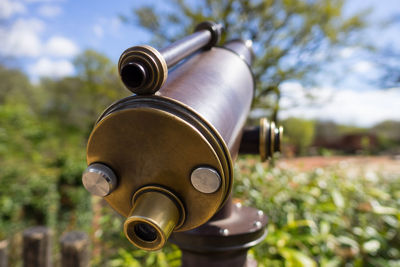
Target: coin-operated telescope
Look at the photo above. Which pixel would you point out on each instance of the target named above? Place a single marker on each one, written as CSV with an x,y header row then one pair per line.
x,y
163,157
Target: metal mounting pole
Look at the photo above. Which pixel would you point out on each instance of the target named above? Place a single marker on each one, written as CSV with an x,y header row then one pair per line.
x,y
225,239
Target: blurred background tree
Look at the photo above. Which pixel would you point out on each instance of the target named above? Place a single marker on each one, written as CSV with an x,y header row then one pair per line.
x,y
387,59
298,133
43,133
292,38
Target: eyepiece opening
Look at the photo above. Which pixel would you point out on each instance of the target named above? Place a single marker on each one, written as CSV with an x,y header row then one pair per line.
x,y
133,75
145,232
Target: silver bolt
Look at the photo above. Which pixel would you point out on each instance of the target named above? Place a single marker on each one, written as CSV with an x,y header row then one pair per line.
x,y
205,180
238,205
224,232
257,224
260,213
99,179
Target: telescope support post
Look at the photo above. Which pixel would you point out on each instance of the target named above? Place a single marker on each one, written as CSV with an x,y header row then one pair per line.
x,y
225,239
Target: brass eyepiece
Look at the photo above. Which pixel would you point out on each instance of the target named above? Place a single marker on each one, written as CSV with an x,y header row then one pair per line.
x,y
270,139
142,69
155,214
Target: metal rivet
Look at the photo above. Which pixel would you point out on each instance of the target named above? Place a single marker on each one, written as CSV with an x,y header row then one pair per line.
x,y
205,180
257,224
238,205
224,232
99,179
260,213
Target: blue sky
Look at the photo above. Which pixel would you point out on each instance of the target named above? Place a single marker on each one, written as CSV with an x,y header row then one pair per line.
x,y
43,37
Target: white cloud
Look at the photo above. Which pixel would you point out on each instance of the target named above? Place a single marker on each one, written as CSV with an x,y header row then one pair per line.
x,y
46,67
22,38
49,11
59,46
363,108
107,26
347,52
98,31
362,66
293,94
9,8
115,24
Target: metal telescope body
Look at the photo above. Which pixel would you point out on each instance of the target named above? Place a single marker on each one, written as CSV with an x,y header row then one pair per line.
x,y
163,158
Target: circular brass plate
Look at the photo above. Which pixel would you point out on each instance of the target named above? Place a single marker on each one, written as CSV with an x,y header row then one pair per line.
x,y
189,115
148,146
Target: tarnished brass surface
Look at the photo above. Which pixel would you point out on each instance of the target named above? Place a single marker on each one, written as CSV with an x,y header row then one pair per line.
x,y
155,213
278,139
145,145
267,139
264,140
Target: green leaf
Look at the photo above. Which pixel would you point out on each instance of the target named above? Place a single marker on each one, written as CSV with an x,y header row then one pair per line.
x,y
338,199
372,246
295,258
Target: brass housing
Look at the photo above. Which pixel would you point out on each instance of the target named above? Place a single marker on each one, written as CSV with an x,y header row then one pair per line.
x,y
268,135
155,140
195,120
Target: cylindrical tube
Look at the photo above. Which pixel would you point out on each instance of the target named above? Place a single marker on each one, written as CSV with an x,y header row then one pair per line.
x,y
152,219
265,140
185,47
144,70
243,48
219,86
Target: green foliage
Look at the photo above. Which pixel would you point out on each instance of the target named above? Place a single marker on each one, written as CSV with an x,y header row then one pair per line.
x,y
164,258
337,216
292,38
388,133
13,84
43,132
326,217
298,133
25,175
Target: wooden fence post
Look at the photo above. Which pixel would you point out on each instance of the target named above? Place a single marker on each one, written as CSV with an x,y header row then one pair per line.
x,y
75,249
3,253
37,247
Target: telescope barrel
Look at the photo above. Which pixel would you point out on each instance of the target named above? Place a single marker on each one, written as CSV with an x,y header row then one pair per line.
x,y
243,48
144,70
172,153
219,86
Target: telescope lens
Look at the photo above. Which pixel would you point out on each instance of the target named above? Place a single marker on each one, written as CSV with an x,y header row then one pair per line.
x,y
133,75
145,232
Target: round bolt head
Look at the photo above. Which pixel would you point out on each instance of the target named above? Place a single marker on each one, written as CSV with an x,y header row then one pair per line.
x,y
205,180
99,179
224,232
257,224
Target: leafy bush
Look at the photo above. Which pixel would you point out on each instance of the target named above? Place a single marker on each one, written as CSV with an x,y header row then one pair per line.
x,y
326,217
336,216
